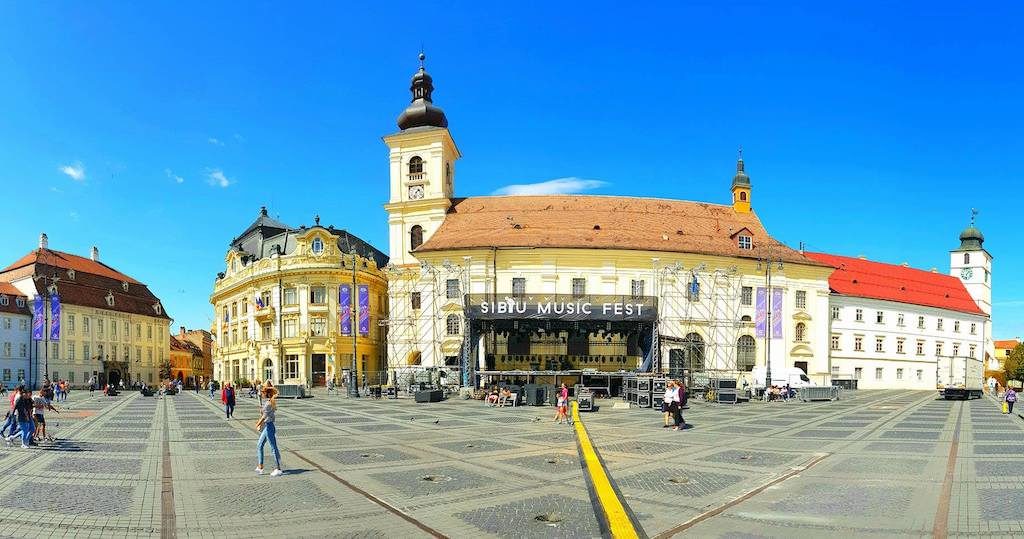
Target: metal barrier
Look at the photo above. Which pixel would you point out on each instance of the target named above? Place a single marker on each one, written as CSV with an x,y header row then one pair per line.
x,y
819,393
293,391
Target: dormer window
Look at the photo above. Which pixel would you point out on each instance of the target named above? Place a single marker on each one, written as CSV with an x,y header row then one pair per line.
x,y
4,300
20,302
110,298
317,246
157,308
416,165
71,274
124,285
744,242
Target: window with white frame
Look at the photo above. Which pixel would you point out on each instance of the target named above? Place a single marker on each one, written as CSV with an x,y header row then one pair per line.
x,y
973,350
519,287
7,322
974,329
318,295
858,344
859,315
23,324
801,299
69,324
920,322
879,317
858,373
920,374
800,332
747,295
291,328
835,342
956,326
291,297
86,353
938,349
878,373
579,287
899,320
835,312
636,288
20,302
318,326
291,366
956,349
899,374
899,345
71,350
879,344
938,324
744,242
265,331
452,289
23,351
7,349
85,325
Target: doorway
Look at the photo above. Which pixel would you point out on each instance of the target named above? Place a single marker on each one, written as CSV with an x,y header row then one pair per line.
x,y
802,365
115,378
319,369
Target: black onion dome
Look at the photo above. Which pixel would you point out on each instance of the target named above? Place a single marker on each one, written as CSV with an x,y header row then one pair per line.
x,y
741,178
971,238
422,112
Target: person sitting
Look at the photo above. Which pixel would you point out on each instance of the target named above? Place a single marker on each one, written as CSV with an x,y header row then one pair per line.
x,y
505,397
492,397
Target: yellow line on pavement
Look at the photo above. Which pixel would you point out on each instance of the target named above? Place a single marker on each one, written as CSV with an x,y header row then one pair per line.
x,y
620,525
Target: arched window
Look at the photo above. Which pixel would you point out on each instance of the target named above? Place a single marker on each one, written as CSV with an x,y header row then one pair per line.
x,y
415,237
745,318
693,352
746,352
967,258
416,165
318,246
743,196
452,324
268,369
801,330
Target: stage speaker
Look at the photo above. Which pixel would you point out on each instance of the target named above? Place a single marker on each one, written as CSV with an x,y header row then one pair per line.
x,y
644,400
586,401
726,397
722,383
643,385
429,396
659,386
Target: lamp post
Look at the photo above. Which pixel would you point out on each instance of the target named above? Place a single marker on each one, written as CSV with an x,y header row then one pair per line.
x,y
771,257
353,378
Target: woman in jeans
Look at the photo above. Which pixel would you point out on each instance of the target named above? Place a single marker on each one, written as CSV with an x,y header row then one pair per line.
x,y
268,431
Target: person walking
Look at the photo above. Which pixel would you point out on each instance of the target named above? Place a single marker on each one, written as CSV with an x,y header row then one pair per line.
x,y
268,431
23,415
677,416
666,403
211,389
92,384
10,420
1010,398
227,396
39,404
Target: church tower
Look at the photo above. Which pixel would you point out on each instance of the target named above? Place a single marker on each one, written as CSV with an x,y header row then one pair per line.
x,y
423,155
972,264
740,187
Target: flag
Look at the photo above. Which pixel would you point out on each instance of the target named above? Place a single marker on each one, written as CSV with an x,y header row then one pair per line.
x,y
760,313
777,313
38,320
259,303
345,308
55,317
364,309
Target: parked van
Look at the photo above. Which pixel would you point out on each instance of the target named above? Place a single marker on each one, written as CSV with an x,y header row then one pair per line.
x,y
794,376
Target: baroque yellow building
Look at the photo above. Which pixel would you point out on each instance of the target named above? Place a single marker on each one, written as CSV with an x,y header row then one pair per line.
x,y
295,305
106,326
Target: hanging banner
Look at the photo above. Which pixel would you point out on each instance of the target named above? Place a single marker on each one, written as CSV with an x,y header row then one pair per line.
x,y
55,317
345,308
777,313
364,309
760,313
37,319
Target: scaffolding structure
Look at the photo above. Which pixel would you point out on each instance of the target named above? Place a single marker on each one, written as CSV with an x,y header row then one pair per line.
x,y
703,302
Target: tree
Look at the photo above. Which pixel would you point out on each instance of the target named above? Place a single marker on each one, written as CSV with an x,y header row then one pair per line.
x,y
1014,364
165,370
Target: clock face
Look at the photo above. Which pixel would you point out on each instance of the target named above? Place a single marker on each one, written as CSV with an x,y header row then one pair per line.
x,y
966,274
415,192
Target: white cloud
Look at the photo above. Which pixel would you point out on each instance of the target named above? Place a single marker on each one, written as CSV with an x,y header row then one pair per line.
x,y
173,176
75,171
238,138
216,178
215,141
560,186
73,215
54,189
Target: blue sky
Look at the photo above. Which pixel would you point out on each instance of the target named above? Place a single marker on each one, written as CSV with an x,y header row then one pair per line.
x,y
156,132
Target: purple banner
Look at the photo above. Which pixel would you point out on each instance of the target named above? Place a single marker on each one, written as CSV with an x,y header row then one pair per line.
x,y
38,320
55,317
776,313
345,308
364,309
760,313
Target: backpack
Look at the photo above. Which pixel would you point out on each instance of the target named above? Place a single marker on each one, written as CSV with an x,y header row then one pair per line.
x,y
1011,396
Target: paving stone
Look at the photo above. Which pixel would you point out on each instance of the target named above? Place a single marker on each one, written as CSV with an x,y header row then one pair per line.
x,y
61,499
372,455
76,464
639,447
828,434
432,481
751,458
911,435
227,499
546,463
848,500
519,519
1001,503
901,447
881,466
999,468
993,449
678,481
379,427
475,446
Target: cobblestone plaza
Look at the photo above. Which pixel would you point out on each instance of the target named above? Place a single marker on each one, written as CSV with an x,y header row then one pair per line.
x,y
875,463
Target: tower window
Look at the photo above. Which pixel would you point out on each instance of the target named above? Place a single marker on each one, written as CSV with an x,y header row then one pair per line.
x,y
743,196
416,165
745,242
967,258
415,237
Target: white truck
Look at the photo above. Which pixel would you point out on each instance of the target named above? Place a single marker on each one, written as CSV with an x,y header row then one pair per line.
x,y
959,377
794,376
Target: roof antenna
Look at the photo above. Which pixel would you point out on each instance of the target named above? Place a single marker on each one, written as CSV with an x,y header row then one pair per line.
x,y
974,213
422,56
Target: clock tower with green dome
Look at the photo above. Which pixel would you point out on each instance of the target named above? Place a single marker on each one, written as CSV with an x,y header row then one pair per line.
x,y
972,264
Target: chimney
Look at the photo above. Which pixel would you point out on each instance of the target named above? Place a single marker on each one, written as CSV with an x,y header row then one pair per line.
x,y
181,330
905,264
44,243
95,254
862,257
935,270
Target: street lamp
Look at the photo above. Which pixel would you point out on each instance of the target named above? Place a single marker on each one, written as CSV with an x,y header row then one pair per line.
x,y
770,258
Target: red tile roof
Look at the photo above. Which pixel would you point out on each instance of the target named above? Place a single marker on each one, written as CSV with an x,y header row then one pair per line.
x,y
1007,344
601,222
877,280
13,294
68,261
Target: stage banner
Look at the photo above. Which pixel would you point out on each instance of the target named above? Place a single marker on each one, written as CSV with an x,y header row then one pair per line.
x,y
38,320
364,309
568,307
777,313
345,308
55,317
760,313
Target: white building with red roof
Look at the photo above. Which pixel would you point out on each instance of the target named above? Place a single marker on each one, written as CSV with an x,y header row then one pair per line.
x,y
15,335
890,323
